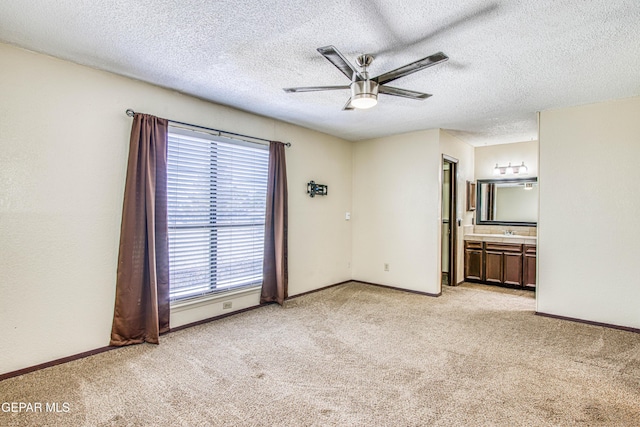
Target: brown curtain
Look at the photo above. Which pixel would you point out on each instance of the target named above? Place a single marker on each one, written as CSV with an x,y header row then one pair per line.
x,y
141,311
274,270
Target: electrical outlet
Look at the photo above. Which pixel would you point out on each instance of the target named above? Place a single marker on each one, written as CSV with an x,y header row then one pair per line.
x,y
227,305
386,267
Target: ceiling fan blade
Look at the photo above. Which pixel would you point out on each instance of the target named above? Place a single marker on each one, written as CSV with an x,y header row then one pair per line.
x,y
313,88
388,90
348,106
396,41
336,58
421,64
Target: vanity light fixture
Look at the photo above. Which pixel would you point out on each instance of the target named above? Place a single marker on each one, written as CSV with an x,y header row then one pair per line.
x,y
522,169
510,170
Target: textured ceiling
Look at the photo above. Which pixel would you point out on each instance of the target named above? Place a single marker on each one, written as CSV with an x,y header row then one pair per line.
x,y
508,59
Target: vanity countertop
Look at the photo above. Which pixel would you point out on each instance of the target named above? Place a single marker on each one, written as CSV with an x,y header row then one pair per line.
x,y
502,238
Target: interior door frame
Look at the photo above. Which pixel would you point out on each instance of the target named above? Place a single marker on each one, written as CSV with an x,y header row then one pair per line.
x,y
453,220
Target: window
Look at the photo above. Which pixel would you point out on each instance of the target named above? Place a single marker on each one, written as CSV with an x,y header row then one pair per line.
x,y
216,191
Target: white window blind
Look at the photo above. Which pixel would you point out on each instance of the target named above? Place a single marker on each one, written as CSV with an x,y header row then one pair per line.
x,y
216,191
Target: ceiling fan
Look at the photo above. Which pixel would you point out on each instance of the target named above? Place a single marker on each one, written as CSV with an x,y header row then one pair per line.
x,y
364,90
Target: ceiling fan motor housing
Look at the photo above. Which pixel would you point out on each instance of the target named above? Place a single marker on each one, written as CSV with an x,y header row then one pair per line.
x,y
364,93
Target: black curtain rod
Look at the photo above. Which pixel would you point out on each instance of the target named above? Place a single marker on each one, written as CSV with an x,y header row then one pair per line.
x,y
131,113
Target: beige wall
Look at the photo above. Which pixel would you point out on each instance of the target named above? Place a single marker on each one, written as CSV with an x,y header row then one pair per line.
x,y
319,234
397,208
486,158
395,211
464,153
588,228
64,141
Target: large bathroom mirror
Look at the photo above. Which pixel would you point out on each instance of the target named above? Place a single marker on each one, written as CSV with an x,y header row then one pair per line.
x,y
507,201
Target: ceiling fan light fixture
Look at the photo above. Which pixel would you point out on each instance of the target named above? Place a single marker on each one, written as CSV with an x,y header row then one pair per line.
x,y
364,101
364,94
364,91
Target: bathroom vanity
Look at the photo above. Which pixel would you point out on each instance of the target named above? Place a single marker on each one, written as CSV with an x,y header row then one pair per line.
x,y
507,264
495,262
501,248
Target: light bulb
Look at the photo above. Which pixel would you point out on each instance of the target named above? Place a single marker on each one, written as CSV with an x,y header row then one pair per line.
x,y
509,170
523,169
364,101
496,170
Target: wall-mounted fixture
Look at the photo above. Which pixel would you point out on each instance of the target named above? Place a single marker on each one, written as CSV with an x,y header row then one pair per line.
x,y
314,189
510,170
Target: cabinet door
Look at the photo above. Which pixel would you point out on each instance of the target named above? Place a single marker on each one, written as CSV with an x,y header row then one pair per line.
x,y
493,267
513,269
473,264
529,279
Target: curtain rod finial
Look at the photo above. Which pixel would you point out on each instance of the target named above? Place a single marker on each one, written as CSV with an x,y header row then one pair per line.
x,y
130,112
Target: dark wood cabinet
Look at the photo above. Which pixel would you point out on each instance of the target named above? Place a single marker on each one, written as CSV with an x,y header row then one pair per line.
x,y
473,260
503,263
506,264
512,274
493,266
529,268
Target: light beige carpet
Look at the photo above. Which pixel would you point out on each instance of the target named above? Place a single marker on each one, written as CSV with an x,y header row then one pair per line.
x,y
355,355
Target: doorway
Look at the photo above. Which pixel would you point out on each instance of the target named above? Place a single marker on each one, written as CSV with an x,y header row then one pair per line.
x,y
449,227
